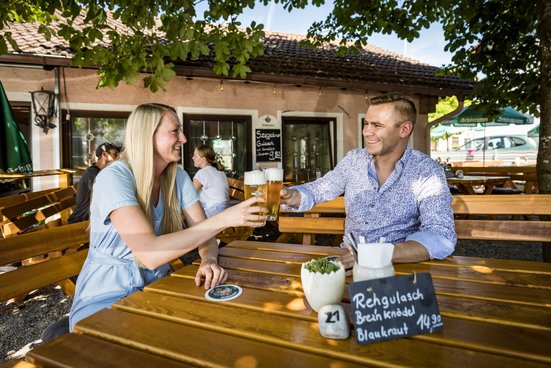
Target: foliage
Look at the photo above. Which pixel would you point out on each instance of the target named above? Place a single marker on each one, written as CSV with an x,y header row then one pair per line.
x,y
143,36
504,44
321,265
445,106
492,41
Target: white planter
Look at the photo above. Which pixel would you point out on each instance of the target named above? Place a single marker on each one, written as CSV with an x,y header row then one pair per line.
x,y
322,289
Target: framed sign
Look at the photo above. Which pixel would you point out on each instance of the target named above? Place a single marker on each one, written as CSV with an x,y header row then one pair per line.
x,y
268,145
394,307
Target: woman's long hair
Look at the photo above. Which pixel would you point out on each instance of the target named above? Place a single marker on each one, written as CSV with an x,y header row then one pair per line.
x,y
209,155
140,129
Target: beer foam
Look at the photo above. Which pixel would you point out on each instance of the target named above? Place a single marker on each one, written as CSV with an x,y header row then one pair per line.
x,y
273,174
255,177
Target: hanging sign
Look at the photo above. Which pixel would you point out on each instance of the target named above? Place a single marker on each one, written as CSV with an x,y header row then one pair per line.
x,y
394,307
268,145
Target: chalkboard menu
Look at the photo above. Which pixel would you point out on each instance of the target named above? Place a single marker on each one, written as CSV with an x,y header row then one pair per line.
x,y
394,307
268,145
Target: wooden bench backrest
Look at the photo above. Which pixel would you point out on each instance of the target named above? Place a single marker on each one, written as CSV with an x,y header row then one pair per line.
x,y
25,215
68,241
526,173
236,189
327,218
20,198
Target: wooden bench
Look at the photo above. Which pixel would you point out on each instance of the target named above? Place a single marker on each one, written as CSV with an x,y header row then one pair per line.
x,y
68,241
22,197
237,192
524,222
527,174
54,206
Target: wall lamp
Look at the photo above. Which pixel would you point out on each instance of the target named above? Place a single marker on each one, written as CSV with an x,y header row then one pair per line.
x,y
43,106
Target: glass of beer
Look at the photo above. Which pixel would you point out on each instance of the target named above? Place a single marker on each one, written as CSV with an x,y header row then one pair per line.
x,y
255,186
274,180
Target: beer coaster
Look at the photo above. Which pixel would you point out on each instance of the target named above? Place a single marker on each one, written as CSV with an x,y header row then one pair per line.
x,y
222,293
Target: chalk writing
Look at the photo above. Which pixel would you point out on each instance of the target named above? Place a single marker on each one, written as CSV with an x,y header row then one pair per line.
x,y
268,145
394,307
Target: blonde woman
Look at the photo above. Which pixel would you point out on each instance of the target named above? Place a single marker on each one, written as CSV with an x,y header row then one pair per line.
x,y
137,215
210,182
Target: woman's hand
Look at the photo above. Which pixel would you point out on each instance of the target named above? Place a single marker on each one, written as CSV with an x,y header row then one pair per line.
x,y
245,213
212,274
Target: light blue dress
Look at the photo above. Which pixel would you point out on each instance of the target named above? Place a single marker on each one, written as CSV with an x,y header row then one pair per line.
x,y
110,272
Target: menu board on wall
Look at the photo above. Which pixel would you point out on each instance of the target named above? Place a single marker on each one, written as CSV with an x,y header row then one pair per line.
x,y
268,145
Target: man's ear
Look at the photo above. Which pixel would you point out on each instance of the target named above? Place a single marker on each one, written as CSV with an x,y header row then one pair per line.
x,y
406,129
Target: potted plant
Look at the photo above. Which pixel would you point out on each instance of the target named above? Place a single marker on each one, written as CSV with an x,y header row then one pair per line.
x,y
323,282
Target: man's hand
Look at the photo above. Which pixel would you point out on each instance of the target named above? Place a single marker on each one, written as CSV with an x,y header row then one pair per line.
x,y
290,197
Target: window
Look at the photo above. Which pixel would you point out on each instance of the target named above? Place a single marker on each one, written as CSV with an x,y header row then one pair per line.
x,y
516,141
308,148
85,131
229,136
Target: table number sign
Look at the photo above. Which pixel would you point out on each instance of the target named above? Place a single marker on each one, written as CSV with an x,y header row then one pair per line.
x,y
394,307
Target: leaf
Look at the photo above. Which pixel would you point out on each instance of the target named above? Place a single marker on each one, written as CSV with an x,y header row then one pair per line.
x,y
241,71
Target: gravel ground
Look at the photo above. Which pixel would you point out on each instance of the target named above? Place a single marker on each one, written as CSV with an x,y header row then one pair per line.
x,y
21,323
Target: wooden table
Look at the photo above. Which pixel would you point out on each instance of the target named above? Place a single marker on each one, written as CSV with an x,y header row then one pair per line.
x,y
65,176
496,313
467,183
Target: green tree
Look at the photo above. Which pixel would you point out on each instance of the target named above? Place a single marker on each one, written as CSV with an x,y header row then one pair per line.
x,y
142,36
504,44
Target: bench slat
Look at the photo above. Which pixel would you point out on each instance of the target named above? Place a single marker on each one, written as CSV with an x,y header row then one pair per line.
x,y
507,230
535,231
23,246
315,225
26,279
74,350
20,198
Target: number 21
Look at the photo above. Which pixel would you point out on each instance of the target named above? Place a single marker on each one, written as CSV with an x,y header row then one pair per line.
x,y
330,316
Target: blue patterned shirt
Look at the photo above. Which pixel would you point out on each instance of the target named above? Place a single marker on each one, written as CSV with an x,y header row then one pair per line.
x,y
413,204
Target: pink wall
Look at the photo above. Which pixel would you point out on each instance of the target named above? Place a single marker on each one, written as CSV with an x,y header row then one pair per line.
x,y
199,93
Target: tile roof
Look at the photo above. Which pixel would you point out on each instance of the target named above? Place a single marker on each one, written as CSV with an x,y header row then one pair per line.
x,y
285,57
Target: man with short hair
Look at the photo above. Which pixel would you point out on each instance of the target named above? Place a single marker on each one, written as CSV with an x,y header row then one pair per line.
x,y
105,153
390,190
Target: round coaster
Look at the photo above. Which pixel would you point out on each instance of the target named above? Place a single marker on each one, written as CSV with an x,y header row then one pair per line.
x,y
222,293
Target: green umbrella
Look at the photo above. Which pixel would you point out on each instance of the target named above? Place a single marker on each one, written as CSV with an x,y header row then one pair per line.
x,y
470,117
14,151
445,131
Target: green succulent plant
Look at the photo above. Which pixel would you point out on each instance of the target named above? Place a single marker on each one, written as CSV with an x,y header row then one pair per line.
x,y
321,265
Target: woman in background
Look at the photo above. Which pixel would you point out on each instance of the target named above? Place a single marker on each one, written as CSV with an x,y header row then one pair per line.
x,y
210,182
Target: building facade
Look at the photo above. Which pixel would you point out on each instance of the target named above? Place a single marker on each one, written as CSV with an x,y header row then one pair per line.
x,y
300,109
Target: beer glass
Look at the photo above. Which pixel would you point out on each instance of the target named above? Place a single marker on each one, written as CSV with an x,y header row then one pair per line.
x,y
274,181
255,186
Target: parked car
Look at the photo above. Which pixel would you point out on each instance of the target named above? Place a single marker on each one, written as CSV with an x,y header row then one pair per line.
x,y
508,148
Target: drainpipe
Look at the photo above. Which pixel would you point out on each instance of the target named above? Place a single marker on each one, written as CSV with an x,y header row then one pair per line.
x,y
440,119
57,116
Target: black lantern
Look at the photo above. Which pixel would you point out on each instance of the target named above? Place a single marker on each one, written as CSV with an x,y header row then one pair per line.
x,y
43,106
